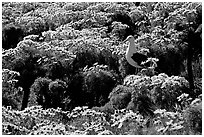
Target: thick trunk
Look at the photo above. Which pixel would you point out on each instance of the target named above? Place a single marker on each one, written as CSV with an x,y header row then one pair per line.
x,y
25,98
27,80
190,73
190,69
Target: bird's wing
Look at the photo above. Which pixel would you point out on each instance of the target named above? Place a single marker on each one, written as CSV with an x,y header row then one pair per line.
x,y
139,58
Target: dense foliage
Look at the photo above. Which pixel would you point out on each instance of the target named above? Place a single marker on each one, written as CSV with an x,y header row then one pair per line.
x,y
83,121
59,57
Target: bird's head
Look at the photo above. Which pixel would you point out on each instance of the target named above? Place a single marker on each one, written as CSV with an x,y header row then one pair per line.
x,y
129,38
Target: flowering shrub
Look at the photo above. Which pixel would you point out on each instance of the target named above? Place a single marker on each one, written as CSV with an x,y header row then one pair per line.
x,y
193,118
92,85
11,95
83,121
162,90
47,93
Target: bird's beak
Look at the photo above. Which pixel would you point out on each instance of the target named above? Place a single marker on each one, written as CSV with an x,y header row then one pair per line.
x,y
125,40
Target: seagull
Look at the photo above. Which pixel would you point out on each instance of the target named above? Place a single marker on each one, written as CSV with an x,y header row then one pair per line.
x,y
134,57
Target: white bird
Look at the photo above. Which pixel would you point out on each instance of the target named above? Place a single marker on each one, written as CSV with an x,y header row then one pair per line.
x,y
134,57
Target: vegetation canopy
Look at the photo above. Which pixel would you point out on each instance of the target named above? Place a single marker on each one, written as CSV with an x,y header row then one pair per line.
x,y
64,68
